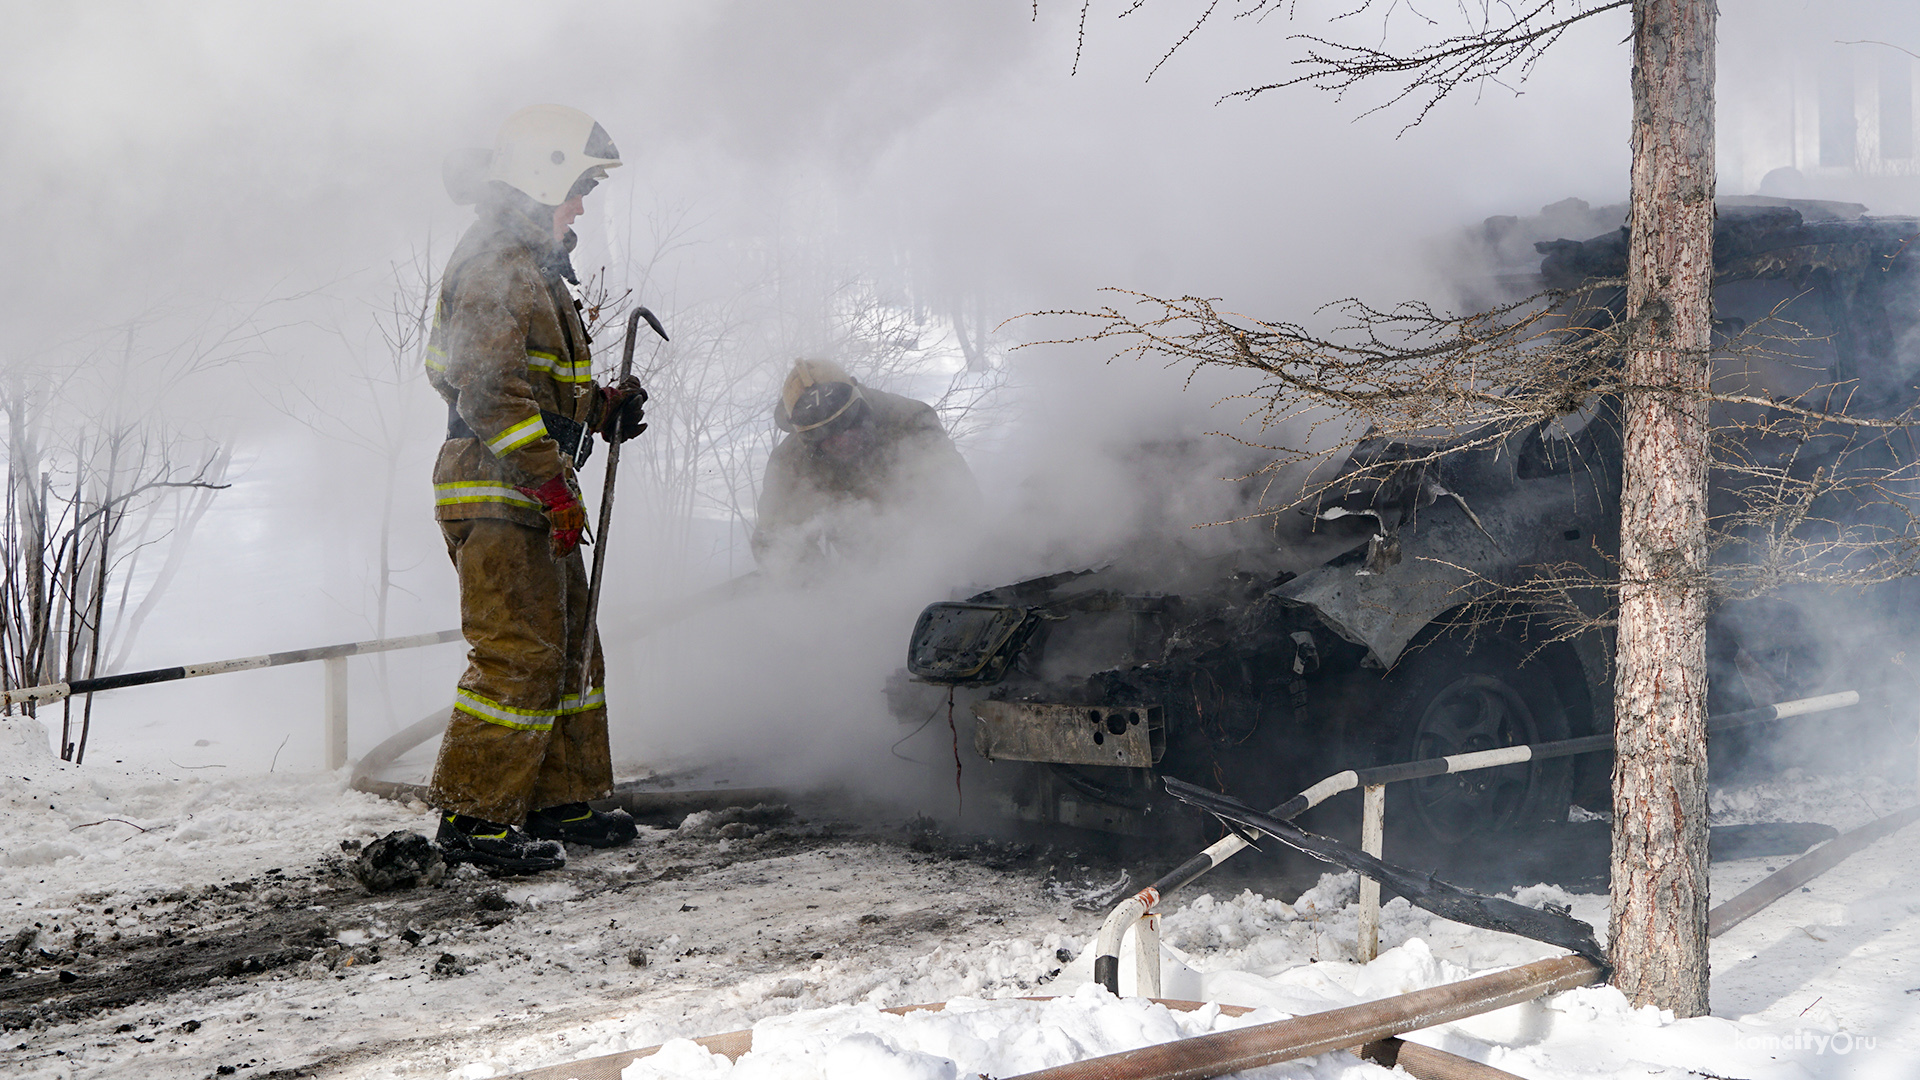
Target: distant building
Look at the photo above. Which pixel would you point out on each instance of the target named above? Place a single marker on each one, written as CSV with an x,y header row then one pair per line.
x,y
1834,122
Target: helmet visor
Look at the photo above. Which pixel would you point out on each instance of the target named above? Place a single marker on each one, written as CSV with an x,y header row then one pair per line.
x,y
825,409
600,145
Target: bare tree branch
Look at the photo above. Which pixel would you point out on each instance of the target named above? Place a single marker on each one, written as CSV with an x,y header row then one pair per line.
x,y
1500,42
1810,488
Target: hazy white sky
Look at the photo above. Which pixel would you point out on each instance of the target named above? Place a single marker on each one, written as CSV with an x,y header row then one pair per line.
x,y
159,151
166,150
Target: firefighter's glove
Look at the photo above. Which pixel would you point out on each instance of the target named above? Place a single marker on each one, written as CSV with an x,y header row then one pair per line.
x,y
566,515
623,410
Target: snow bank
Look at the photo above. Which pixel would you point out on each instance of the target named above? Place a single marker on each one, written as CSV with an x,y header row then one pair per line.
x,y
67,830
809,947
969,1037
1288,959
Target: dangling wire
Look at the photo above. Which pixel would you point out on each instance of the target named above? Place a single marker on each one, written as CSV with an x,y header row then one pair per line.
x,y
959,798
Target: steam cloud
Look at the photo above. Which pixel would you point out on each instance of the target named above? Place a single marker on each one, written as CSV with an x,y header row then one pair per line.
x,y
181,170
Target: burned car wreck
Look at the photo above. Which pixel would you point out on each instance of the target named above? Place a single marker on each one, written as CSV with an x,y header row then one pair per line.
x,y
1336,638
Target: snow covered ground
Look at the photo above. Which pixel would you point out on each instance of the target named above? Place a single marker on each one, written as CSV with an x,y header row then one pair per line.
x,y
804,932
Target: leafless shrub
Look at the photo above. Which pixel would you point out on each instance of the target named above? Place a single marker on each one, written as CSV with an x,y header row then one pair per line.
x,y
83,503
98,479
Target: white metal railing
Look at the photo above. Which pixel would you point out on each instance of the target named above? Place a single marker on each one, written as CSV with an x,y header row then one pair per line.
x,y
334,656
1138,909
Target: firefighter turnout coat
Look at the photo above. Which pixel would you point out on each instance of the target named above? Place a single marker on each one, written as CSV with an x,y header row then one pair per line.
x,y
510,355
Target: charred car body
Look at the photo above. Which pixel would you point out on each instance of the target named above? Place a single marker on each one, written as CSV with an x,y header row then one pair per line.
x,y
1333,640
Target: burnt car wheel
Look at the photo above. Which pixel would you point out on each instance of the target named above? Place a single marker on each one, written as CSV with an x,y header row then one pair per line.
x,y
1450,700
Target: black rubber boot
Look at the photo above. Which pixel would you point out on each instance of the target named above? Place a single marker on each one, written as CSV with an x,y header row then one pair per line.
x,y
494,847
578,823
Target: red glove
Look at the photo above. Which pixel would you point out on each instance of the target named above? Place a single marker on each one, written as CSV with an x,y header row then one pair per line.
x,y
566,515
622,410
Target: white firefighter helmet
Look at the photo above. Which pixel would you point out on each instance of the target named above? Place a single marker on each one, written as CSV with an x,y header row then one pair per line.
x,y
547,151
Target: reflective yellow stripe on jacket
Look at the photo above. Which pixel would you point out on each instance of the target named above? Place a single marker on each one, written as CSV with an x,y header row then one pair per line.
x,y
471,491
435,357
485,708
518,436
566,371
573,703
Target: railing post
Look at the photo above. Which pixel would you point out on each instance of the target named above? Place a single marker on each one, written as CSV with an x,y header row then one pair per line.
x,y
1372,839
1146,957
336,731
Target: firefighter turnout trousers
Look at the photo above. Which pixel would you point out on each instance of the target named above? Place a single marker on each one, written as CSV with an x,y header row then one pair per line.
x,y
521,738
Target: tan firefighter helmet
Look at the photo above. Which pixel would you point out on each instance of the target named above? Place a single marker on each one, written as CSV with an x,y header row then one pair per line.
x,y
551,153
818,399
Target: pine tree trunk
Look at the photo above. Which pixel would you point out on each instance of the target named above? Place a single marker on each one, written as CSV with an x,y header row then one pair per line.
x,y
1658,933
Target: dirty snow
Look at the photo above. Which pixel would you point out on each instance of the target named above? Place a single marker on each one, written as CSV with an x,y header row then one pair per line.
x,y
805,936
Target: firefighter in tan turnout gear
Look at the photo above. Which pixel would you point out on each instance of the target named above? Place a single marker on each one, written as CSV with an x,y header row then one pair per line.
x,y
860,468
524,752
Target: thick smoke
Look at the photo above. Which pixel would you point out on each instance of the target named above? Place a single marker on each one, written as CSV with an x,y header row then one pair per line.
x,y
267,178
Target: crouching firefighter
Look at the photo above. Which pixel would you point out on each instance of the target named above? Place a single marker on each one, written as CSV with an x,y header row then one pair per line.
x,y
524,752
860,470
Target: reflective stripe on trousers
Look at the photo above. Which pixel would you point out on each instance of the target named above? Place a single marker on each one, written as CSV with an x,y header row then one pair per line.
x,y
526,719
521,737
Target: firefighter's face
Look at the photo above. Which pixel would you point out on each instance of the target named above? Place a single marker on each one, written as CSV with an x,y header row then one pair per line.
x,y
565,214
849,444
